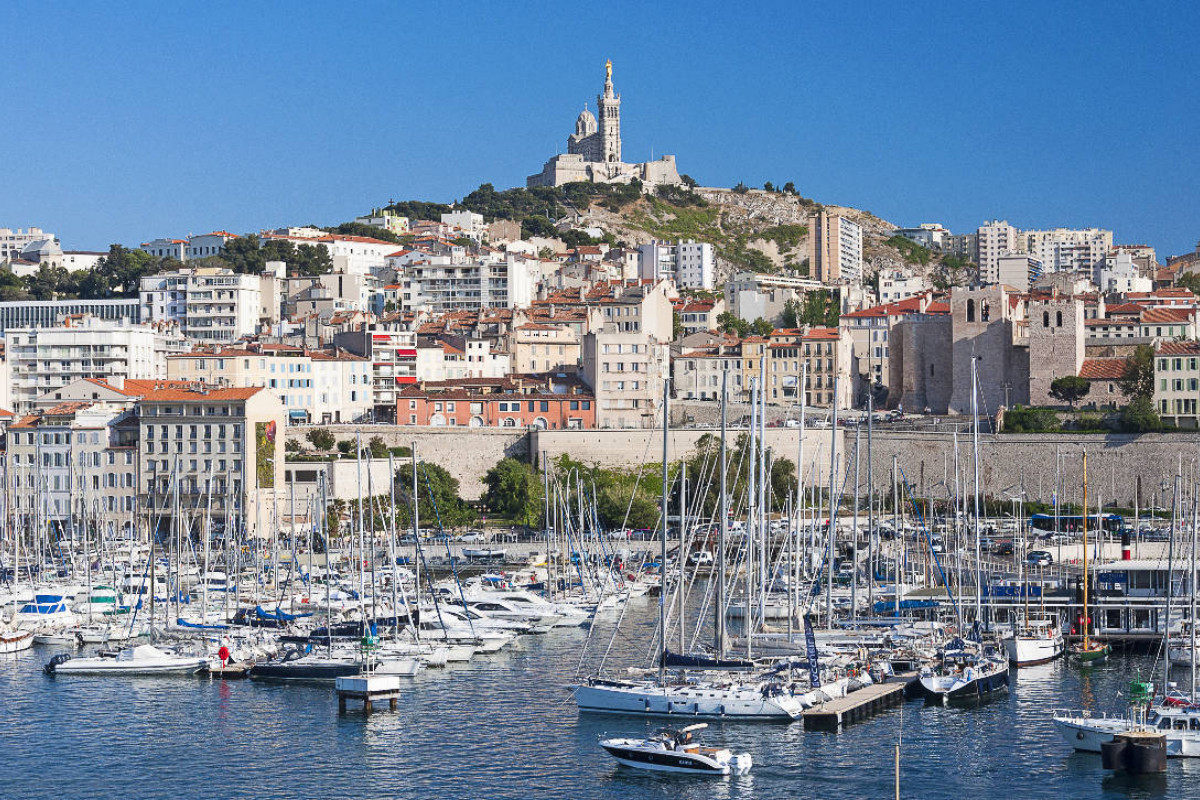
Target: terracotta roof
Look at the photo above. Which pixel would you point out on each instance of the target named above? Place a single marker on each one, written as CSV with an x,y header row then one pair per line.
x,y
1178,349
909,305
822,333
1153,315
1102,369
1095,323
194,395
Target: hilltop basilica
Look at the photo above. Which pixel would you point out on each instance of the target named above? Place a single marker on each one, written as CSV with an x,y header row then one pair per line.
x,y
594,150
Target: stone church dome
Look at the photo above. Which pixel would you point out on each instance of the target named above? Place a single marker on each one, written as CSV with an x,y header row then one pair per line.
x,y
585,123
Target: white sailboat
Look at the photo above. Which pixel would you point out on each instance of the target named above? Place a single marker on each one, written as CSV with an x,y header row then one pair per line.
x,y
665,696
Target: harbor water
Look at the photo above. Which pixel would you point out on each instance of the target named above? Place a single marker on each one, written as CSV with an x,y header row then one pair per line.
x,y
505,727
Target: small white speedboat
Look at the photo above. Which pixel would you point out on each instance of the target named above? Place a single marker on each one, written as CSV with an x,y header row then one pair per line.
x,y
674,751
145,659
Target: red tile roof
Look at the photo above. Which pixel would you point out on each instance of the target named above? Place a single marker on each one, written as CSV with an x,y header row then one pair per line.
x,y
194,395
1178,349
1171,315
1102,369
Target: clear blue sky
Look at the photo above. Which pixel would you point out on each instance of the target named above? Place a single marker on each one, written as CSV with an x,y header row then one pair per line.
x,y
128,121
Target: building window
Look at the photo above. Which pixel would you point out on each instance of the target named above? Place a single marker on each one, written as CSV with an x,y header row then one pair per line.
x,y
970,310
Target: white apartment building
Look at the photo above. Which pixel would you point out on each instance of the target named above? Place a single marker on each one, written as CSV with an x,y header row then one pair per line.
x,y
835,248
930,235
207,244
166,248
470,223
993,240
900,284
1017,270
13,242
440,283
1118,272
209,304
382,218
752,295
456,358
313,386
42,359
356,255
1066,248
689,263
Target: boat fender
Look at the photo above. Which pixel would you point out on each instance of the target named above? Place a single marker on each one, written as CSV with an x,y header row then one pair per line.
x,y
1079,735
969,675
670,707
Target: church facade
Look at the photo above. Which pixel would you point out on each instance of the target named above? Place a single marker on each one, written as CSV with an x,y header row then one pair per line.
x,y
594,150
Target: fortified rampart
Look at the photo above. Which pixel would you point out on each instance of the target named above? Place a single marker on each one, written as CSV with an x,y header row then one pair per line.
x,y
1008,462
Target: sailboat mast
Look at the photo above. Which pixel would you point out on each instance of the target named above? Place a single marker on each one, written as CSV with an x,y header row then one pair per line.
x,y
1192,588
794,583
975,444
662,593
832,533
682,548
1171,577
871,498
1086,580
723,511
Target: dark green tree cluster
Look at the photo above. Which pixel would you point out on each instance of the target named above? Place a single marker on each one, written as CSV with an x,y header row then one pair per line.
x,y
819,308
728,322
1137,383
514,490
115,275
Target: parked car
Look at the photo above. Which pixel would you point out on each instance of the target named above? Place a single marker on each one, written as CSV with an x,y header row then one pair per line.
x,y
1004,548
701,558
1039,558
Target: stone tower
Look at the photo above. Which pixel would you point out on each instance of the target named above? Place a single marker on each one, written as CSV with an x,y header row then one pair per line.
x,y
1056,344
609,106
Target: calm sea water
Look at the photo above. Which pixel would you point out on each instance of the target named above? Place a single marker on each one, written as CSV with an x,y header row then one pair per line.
x,y
504,727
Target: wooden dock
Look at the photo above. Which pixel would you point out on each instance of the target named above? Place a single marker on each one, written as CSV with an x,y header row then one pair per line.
x,y
228,672
856,706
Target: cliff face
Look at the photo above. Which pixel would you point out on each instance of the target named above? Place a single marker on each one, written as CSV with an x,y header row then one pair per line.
x,y
753,229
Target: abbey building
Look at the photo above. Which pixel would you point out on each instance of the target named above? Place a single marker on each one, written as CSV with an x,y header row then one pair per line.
x,y
594,150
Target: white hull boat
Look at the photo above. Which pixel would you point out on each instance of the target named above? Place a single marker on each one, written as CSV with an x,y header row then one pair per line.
x,y
15,641
144,659
1087,733
1026,650
674,751
696,700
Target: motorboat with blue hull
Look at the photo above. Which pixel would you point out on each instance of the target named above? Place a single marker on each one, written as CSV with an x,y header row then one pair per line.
x,y
295,665
674,751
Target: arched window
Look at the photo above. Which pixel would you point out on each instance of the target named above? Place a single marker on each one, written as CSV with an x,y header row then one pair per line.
x,y
1058,320
1045,319
509,422
970,311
